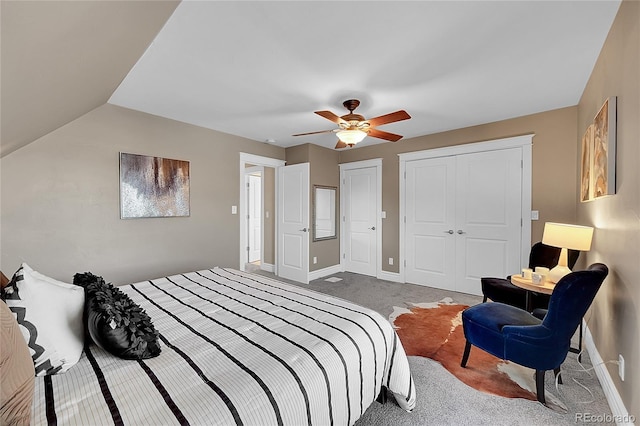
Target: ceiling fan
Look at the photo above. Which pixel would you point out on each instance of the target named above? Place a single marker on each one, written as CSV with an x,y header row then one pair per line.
x,y
352,128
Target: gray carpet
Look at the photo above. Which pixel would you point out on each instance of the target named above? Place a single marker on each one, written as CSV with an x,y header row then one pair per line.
x,y
441,398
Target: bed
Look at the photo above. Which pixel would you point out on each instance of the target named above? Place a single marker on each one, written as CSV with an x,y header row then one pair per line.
x,y
237,348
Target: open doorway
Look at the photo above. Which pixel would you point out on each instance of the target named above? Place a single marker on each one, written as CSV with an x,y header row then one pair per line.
x,y
258,212
255,218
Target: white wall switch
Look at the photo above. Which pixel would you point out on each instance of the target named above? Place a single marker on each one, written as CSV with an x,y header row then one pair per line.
x,y
535,215
315,260
266,213
384,215
391,261
234,209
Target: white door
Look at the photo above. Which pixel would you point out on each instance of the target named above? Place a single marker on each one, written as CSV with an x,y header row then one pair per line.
x,y
360,219
463,219
293,222
254,217
488,216
430,222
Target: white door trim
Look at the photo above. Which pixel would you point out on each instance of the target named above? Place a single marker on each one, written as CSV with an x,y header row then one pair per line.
x,y
248,172
373,163
524,142
255,160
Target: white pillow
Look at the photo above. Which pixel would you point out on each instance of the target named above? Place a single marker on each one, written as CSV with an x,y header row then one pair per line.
x,y
50,316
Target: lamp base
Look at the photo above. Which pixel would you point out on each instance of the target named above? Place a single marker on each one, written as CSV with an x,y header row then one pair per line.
x,y
558,272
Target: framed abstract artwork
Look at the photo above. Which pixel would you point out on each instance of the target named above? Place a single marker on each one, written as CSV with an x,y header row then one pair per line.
x,y
598,160
153,187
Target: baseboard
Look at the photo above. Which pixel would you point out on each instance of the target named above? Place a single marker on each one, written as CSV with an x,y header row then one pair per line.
x,y
320,273
390,276
619,412
267,267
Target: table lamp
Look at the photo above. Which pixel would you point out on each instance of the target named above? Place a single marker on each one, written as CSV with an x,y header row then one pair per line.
x,y
565,236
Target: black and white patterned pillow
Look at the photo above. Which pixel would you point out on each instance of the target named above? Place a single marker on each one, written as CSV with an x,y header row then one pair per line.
x,y
49,314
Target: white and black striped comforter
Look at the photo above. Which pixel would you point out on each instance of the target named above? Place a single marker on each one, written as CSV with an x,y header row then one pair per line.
x,y
237,348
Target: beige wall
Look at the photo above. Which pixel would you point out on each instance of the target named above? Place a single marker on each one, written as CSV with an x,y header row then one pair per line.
x,y
323,170
553,180
614,320
74,51
269,203
60,199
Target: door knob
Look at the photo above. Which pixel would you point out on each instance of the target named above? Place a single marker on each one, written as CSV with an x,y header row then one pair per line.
x,y
460,231
450,231
373,228
304,229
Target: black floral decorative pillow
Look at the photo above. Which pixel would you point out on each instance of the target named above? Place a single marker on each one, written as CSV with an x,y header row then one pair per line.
x,y
115,322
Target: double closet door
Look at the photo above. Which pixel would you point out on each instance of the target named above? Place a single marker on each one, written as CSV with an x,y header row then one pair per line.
x,y
463,216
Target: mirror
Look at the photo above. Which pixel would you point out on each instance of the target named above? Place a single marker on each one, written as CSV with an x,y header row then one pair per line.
x,y
324,212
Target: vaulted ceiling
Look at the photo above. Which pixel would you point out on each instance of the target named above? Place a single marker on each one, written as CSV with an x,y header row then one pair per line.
x,y
260,69
61,59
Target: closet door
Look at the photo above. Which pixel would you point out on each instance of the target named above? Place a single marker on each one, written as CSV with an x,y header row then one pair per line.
x,y
430,221
463,219
488,217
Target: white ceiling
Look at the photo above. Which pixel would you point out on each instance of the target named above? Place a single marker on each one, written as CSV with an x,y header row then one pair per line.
x,y
260,69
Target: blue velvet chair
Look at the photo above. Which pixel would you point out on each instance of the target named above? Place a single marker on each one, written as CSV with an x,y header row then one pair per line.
x,y
513,334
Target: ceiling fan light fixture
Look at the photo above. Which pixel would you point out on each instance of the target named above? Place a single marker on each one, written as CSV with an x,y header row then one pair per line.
x,y
351,136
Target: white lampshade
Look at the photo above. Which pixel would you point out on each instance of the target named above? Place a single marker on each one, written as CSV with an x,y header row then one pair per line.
x,y
565,236
574,237
351,137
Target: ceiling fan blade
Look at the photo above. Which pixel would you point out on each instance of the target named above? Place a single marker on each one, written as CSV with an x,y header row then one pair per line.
x,y
330,116
314,133
340,144
384,135
389,118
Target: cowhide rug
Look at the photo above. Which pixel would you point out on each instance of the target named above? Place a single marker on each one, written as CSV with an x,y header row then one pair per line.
x,y
434,330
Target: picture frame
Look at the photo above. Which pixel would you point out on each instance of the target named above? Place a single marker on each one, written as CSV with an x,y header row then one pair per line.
x,y
598,159
153,187
585,163
325,212
604,150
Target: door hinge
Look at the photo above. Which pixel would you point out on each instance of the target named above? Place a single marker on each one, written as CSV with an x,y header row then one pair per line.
x,y
405,219
344,255
405,263
248,248
405,175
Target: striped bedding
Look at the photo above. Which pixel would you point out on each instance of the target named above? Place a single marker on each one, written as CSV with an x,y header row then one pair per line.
x,y
237,348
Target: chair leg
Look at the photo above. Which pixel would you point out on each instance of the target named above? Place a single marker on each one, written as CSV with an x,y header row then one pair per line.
x,y
580,344
556,373
465,355
540,385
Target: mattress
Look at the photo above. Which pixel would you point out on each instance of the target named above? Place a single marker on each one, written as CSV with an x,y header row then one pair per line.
x,y
237,348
